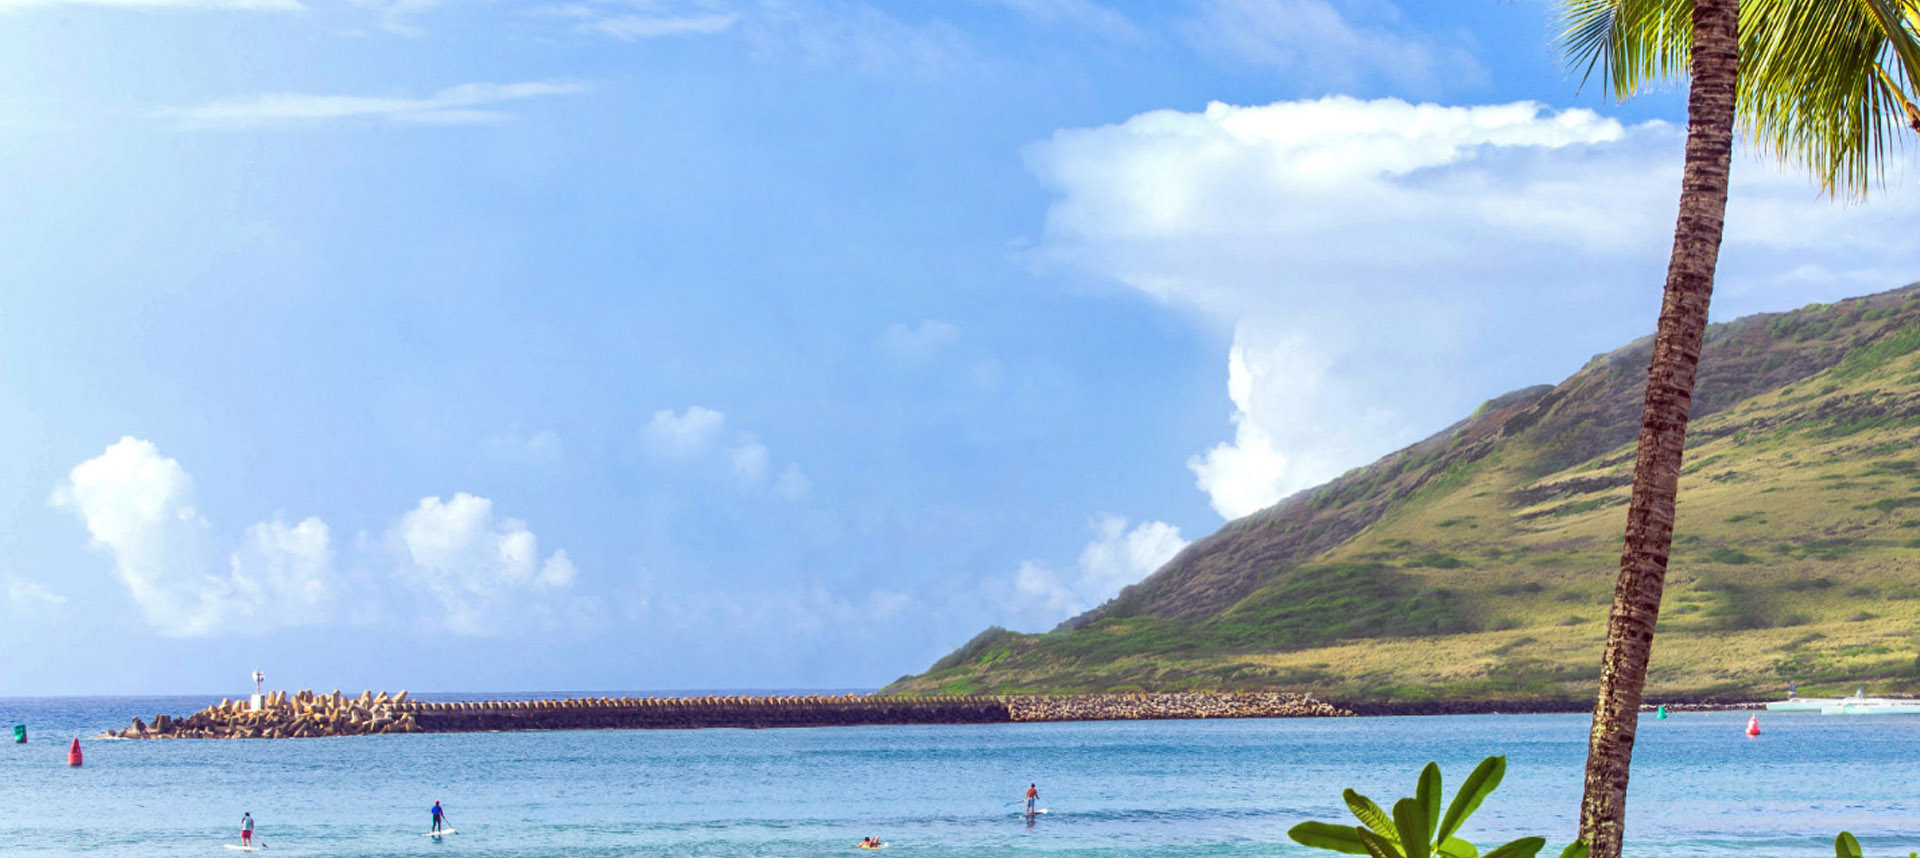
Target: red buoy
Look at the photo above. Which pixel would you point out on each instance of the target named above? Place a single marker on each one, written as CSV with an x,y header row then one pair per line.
x,y
73,753
1753,725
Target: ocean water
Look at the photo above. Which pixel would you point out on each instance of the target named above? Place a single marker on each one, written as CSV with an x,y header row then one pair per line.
x,y
1171,788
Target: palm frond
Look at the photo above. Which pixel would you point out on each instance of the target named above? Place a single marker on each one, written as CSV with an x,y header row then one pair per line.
x,y
1826,86
1633,42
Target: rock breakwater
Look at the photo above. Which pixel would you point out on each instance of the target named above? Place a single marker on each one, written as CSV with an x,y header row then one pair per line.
x,y
306,714
1166,706
300,715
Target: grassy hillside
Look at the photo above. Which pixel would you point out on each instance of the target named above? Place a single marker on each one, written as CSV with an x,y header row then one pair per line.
x,y
1480,562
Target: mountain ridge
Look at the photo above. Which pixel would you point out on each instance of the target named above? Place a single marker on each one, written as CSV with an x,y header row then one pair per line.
x,y
1381,554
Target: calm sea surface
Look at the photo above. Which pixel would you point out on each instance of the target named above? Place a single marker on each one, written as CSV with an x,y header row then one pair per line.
x,y
1172,788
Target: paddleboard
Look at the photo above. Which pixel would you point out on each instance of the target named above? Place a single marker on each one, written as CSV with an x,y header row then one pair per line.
x,y
238,848
860,846
1035,813
441,832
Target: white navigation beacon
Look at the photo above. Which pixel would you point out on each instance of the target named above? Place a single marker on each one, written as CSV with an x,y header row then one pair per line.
x,y
258,702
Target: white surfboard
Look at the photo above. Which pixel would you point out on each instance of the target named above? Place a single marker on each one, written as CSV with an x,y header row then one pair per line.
x,y
442,832
238,848
1035,813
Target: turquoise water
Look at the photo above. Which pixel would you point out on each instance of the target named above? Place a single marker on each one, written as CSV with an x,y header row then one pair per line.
x,y
1183,788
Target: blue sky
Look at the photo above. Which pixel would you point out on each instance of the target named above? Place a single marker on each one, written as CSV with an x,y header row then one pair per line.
x,y
447,345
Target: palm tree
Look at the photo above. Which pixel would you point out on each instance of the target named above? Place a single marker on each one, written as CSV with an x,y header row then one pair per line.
x,y
1827,84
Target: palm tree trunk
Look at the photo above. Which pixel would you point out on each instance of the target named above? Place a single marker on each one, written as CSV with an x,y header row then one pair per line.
x,y
1663,423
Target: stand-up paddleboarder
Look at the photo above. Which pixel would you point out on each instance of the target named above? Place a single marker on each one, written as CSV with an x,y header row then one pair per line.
x,y
439,816
1033,795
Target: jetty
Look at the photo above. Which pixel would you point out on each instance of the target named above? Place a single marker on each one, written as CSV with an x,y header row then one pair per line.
x,y
306,714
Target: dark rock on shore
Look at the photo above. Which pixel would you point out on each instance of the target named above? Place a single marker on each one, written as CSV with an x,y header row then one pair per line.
x,y
1534,706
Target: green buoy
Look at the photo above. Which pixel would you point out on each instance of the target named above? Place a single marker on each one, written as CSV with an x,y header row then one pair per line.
x,y
19,734
1660,713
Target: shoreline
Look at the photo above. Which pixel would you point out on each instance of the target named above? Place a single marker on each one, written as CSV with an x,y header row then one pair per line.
x,y
306,714
1533,706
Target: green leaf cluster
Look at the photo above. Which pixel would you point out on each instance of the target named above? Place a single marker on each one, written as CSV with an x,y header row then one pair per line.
x,y
1845,846
1829,85
1417,828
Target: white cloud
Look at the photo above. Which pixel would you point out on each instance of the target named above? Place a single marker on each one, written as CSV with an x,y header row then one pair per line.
x,y
1274,448
920,342
290,568
1039,596
749,460
1117,556
211,5
139,507
1250,472
486,572
1373,258
683,436
27,596
699,436
628,28
466,104
1311,42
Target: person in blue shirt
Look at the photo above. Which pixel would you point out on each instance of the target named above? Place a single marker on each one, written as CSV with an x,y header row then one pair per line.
x,y
439,816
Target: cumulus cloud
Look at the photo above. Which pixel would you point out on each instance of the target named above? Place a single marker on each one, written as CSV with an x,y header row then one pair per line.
x,y
699,435
289,566
685,435
749,460
1117,556
466,104
1373,258
1039,595
485,571
1312,42
139,507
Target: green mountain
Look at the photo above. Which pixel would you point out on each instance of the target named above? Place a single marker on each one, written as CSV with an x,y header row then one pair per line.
x,y
1479,563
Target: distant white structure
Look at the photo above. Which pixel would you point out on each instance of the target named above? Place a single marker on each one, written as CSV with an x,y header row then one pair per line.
x,y
258,702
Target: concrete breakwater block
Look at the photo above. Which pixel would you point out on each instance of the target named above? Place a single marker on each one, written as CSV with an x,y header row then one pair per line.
x,y
305,714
